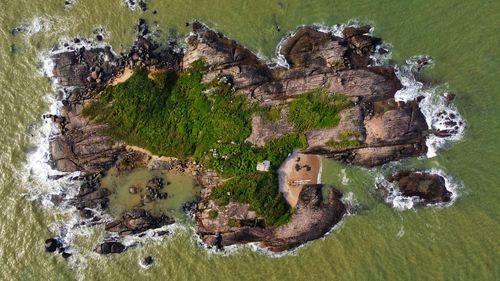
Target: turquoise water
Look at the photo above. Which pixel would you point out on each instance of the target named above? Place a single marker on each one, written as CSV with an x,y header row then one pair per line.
x,y
377,243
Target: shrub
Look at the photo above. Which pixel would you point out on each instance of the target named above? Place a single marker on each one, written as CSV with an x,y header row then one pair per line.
x,y
213,214
259,189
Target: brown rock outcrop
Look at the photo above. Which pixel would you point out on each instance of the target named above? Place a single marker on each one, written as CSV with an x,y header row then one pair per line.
x,y
373,132
431,188
313,217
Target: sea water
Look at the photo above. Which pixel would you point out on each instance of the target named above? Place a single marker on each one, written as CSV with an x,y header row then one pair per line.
x,y
376,242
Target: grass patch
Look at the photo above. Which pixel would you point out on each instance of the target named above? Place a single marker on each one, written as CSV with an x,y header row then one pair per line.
x,y
270,114
170,115
317,109
259,189
213,214
348,139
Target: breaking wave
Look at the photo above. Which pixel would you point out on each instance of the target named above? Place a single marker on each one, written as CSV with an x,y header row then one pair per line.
x,y
440,114
400,202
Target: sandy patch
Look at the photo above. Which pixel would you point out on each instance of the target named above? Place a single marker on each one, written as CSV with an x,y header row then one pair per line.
x,y
297,171
124,76
374,129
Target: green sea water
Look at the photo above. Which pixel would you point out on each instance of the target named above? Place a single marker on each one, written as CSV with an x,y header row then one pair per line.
x,y
461,242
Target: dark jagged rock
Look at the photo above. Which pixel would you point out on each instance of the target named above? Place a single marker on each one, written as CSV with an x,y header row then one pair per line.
x,y
153,188
137,221
91,195
52,244
110,247
147,261
431,188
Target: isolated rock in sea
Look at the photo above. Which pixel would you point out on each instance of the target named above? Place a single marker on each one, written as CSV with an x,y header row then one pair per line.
x,y
374,131
429,187
110,247
52,244
147,261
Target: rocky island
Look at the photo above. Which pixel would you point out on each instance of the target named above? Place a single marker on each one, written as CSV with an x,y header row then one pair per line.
x,y
249,131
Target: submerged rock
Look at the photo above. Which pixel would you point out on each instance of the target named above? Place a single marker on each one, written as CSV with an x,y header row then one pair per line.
x,y
110,247
52,244
137,221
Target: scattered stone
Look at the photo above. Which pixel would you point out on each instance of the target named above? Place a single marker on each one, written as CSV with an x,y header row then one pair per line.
x,y
147,261
133,190
110,247
52,244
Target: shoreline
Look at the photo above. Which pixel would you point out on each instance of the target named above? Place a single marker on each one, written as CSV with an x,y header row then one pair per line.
x,y
126,74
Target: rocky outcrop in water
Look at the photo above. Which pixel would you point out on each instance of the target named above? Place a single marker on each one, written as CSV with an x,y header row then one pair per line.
x,y
428,187
314,216
137,221
110,247
373,132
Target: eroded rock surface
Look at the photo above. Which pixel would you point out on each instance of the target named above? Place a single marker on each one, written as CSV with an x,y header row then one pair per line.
x,y
313,217
137,221
386,130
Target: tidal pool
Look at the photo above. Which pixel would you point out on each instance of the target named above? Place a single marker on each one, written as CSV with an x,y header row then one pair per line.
x,y
179,189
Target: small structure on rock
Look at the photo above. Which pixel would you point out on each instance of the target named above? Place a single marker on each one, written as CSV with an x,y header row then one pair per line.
x,y
264,166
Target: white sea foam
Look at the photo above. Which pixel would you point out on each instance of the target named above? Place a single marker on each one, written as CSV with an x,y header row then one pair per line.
x,y
401,232
401,202
351,202
134,4
344,178
34,26
434,106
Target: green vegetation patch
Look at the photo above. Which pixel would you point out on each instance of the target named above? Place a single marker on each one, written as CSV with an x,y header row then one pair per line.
x,y
233,159
348,139
213,214
259,189
271,113
317,109
170,115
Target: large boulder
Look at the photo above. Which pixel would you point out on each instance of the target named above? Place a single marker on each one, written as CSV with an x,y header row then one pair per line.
x,y
429,187
309,47
314,216
110,247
